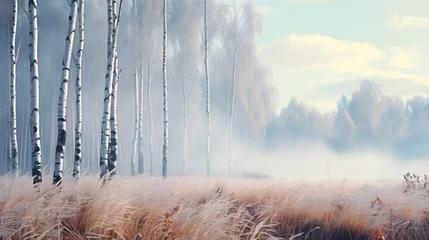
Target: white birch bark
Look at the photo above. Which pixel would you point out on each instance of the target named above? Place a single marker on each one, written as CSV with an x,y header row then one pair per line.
x,y
206,67
62,118
164,78
231,113
13,143
36,154
185,120
78,126
105,125
136,123
141,108
109,28
113,141
113,144
149,102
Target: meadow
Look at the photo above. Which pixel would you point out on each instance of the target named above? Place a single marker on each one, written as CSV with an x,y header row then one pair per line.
x,y
145,207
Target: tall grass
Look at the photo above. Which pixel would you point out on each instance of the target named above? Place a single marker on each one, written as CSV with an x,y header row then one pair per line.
x,y
210,208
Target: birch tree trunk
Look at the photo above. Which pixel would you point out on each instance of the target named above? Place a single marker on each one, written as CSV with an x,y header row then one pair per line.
x,y
109,28
36,156
62,118
113,141
78,126
164,78
149,102
113,144
141,153
13,145
231,113
206,59
105,126
136,123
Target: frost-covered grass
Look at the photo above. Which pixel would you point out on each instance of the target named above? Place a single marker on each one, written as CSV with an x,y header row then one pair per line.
x,y
202,208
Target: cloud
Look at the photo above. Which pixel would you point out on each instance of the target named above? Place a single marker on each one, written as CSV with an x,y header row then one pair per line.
x,y
404,57
263,9
369,119
399,23
320,52
319,60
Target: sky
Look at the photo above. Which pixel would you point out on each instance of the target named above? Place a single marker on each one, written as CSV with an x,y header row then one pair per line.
x,y
320,49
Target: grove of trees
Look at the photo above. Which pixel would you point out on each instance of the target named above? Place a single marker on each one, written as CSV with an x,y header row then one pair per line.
x,y
202,35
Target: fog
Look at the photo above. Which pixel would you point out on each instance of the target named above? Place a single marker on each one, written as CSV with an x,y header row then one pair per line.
x,y
370,135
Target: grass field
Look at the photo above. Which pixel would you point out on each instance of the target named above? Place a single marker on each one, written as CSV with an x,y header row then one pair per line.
x,y
211,208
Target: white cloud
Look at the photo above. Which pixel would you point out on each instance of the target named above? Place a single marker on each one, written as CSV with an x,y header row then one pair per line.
x,y
404,57
319,52
397,22
263,10
303,63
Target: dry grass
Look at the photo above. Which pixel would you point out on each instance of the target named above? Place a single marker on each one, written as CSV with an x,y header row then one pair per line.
x,y
202,208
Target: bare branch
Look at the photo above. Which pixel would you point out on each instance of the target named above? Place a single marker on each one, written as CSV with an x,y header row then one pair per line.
x,y
26,13
19,47
119,14
74,60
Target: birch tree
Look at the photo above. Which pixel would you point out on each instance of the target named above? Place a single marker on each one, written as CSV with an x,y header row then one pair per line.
x,y
206,67
113,23
239,32
150,46
136,123
149,102
62,118
164,78
13,143
150,62
113,143
141,93
36,156
78,126
105,125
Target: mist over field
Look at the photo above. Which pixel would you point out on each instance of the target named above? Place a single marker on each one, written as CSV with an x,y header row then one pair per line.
x,y
381,135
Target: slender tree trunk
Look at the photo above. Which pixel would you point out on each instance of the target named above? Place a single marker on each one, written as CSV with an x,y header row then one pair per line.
x,y
36,155
62,118
231,114
13,162
136,123
185,120
113,144
110,24
206,66
164,78
149,102
141,108
105,126
78,126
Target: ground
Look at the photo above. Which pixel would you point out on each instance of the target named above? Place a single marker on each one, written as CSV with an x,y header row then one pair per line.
x,y
211,208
